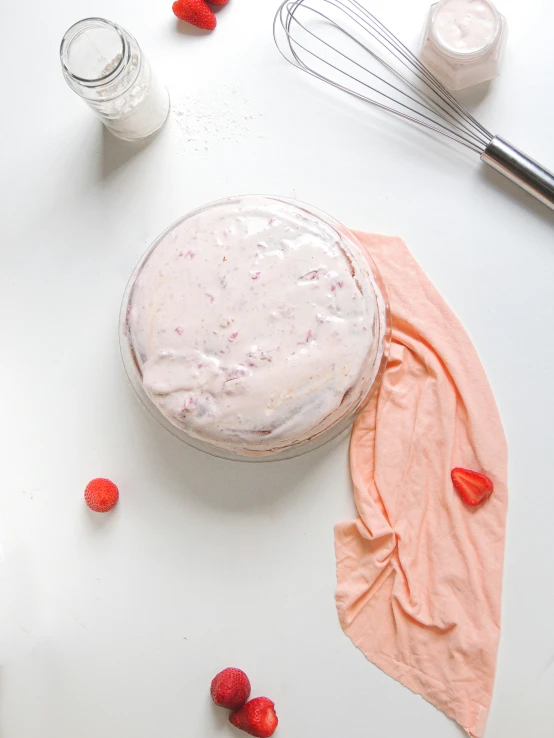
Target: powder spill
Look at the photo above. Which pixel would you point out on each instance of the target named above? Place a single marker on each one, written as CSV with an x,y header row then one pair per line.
x,y
207,117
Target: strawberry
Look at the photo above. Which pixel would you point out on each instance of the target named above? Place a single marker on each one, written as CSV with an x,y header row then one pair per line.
x,y
218,2
230,689
101,495
256,718
195,12
473,488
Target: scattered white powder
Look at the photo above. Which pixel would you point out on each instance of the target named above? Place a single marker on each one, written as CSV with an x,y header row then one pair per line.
x,y
207,117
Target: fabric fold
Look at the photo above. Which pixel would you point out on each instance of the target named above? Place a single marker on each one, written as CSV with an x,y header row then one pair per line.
x,y
419,572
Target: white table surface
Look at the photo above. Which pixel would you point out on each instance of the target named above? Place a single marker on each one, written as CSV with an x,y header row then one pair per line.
x,y
114,625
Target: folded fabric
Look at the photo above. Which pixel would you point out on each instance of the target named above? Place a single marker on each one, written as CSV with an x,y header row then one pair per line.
x,y
420,572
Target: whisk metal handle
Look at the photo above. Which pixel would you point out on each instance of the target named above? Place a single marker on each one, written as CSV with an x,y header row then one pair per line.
x,y
522,170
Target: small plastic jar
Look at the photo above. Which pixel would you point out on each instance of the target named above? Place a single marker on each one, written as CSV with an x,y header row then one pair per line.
x,y
105,66
463,42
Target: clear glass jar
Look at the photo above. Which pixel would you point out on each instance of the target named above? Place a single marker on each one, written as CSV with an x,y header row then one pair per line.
x,y
195,288
105,66
463,42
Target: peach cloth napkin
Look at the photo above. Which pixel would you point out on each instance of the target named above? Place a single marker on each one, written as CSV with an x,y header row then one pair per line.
x,y
419,572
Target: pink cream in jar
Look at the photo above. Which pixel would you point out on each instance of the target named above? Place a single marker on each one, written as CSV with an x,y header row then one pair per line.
x,y
463,42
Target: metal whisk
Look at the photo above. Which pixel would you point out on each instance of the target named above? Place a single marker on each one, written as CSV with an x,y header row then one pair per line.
x,y
343,44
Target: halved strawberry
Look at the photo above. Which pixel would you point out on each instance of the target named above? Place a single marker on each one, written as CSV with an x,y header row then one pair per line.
x,y
474,488
256,718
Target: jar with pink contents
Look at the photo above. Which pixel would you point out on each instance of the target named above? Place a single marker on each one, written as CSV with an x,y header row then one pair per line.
x,y
463,42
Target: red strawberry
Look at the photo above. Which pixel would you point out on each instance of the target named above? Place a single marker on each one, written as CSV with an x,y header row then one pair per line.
x,y
195,12
256,718
101,495
230,689
473,488
218,2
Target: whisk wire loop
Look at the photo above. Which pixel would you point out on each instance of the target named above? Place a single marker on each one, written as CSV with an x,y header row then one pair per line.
x,y
305,33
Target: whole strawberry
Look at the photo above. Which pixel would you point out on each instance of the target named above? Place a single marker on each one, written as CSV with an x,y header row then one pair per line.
x,y
195,12
101,495
230,689
256,718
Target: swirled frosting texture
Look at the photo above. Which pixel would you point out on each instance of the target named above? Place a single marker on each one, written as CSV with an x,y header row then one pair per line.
x,y
254,324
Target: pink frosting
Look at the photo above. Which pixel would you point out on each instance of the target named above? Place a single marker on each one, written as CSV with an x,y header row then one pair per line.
x,y
254,324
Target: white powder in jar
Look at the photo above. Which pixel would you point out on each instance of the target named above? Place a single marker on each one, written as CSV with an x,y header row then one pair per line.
x,y
139,111
105,66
